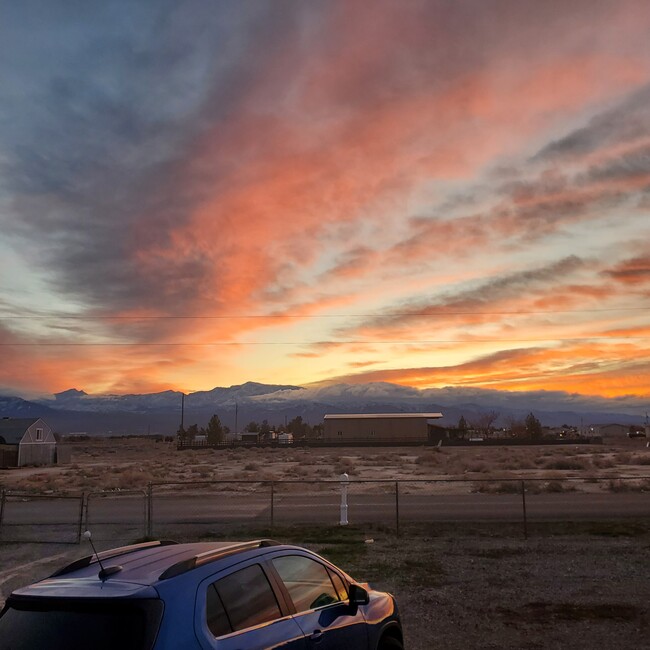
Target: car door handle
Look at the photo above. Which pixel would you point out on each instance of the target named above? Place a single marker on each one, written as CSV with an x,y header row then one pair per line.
x,y
316,636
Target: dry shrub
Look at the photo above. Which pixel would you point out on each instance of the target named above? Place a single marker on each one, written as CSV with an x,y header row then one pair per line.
x,y
603,462
345,465
497,487
620,485
383,459
558,486
132,479
640,459
567,463
427,459
298,471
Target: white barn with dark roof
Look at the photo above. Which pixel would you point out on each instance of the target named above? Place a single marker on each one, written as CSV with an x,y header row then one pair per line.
x,y
26,441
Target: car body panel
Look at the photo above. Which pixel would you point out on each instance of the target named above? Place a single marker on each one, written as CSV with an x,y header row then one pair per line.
x,y
179,577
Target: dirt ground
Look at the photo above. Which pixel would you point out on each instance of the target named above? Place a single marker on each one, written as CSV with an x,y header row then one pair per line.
x,y
122,463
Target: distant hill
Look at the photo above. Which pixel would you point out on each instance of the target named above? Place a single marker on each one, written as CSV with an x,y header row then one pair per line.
x,y
76,411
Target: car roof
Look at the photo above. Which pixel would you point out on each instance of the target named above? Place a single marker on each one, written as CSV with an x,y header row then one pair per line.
x,y
131,570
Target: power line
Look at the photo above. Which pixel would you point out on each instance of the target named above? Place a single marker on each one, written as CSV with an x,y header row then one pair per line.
x,y
317,343
407,314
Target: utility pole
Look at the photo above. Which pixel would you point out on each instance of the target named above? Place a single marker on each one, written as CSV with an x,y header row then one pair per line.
x,y
236,415
182,409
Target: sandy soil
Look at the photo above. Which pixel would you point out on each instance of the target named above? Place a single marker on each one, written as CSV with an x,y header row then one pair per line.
x,y
112,464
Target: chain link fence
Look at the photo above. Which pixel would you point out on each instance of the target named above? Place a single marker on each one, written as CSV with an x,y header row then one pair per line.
x,y
26,517
116,516
201,509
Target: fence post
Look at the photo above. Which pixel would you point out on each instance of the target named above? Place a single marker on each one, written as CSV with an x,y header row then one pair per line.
x,y
345,479
272,503
144,514
87,506
81,516
523,499
397,508
149,510
3,496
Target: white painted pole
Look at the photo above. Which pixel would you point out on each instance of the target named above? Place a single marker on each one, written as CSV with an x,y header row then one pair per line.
x,y
345,480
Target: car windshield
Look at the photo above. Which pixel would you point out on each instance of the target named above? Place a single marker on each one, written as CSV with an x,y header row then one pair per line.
x,y
79,625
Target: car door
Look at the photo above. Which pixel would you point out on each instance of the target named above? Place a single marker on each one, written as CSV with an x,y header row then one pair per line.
x,y
322,610
239,610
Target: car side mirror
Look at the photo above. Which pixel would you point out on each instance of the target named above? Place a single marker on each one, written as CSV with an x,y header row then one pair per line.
x,y
358,595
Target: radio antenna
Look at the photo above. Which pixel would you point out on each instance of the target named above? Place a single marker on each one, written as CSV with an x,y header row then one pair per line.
x,y
103,573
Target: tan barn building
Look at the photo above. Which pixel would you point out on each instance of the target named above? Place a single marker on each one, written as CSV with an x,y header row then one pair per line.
x,y
613,430
26,441
364,428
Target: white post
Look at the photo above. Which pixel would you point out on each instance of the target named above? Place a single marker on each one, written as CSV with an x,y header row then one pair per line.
x,y
345,479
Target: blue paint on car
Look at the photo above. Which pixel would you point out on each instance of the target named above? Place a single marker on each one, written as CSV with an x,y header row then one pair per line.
x,y
210,595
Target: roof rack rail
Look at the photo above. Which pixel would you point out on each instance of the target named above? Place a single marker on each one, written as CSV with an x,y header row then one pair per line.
x,y
210,556
106,555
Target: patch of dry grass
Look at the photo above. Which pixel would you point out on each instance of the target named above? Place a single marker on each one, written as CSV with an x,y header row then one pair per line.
x,y
131,464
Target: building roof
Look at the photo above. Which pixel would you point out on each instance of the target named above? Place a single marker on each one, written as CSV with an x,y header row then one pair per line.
x,y
369,416
13,429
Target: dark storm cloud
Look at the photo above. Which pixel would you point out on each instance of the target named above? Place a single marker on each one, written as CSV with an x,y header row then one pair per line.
x,y
101,105
633,271
630,165
480,298
627,122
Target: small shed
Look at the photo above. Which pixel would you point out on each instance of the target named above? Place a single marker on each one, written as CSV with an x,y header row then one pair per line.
x,y
26,441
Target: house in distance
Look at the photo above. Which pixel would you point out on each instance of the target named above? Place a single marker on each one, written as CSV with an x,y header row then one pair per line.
x,y
379,428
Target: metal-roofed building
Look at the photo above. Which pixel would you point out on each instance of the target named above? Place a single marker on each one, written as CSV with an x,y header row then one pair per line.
x,y
26,441
380,428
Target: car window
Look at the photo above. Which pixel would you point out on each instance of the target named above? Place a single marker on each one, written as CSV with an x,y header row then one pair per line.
x,y
242,599
72,624
307,581
339,585
217,618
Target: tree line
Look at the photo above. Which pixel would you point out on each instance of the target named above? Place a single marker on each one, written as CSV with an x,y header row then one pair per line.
x,y
216,432
483,425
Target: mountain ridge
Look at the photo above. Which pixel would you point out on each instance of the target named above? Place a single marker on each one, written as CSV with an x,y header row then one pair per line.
x,y
75,410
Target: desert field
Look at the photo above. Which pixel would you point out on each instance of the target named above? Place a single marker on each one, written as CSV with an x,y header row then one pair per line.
x,y
132,463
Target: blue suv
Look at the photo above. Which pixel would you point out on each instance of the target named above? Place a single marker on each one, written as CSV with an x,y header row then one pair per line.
x,y
213,596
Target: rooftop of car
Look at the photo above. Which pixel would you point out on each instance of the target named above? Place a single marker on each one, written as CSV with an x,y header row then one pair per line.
x,y
137,566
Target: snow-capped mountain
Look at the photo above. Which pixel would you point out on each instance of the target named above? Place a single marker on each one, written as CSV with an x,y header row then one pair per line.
x,y
76,410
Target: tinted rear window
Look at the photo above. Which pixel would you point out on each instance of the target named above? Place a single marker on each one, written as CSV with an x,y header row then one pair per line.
x,y
248,600
79,625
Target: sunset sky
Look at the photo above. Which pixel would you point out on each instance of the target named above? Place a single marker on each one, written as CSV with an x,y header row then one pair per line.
x,y
430,193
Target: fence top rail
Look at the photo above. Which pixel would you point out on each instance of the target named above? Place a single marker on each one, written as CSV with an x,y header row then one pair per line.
x,y
27,495
11,494
337,481
105,493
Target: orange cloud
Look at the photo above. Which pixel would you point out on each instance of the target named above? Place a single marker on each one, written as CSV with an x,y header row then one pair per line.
x,y
597,369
